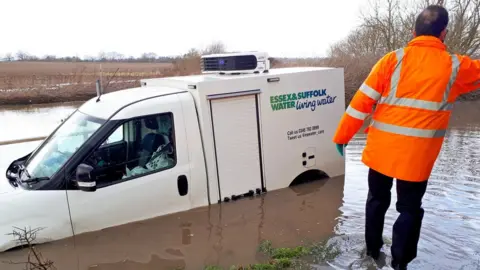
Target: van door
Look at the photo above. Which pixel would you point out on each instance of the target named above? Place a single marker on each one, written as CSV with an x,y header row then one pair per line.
x,y
141,168
237,144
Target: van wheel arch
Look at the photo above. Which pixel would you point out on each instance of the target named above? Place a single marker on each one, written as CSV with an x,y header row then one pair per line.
x,y
309,176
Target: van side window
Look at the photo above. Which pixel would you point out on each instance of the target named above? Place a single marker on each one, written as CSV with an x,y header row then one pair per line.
x,y
138,147
115,137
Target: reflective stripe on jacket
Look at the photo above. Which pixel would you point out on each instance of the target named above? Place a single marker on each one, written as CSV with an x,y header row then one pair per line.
x,y
414,89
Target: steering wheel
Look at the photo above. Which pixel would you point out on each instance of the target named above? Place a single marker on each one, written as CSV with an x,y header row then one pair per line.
x,y
93,159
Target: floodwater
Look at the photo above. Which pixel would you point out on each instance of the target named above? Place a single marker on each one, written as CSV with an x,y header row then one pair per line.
x,y
230,233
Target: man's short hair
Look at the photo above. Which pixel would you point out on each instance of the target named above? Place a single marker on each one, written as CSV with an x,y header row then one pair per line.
x,y
431,21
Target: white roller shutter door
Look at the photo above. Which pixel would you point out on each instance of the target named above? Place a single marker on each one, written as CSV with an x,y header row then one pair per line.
x,y
236,144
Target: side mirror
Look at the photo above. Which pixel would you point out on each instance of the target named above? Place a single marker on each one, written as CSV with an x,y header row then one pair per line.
x,y
84,178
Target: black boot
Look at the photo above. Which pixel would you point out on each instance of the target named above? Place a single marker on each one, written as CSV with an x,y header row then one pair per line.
x,y
396,266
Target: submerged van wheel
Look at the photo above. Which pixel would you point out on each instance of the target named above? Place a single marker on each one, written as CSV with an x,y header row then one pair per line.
x,y
309,176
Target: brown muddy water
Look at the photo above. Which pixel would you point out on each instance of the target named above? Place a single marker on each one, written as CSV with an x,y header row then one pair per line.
x,y
230,233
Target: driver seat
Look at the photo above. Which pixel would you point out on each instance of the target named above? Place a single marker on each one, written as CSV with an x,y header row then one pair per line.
x,y
150,142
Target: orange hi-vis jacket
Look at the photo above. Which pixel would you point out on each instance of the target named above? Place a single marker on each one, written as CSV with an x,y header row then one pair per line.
x,y
414,89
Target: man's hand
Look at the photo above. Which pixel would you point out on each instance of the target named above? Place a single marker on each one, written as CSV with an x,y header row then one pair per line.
x,y
340,148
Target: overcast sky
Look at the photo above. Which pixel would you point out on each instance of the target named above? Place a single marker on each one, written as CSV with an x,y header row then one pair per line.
x,y
281,28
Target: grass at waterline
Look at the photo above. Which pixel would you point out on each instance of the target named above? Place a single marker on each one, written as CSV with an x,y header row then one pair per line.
x,y
299,257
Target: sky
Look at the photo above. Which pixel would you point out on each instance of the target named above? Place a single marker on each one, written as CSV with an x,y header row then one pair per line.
x,y
299,28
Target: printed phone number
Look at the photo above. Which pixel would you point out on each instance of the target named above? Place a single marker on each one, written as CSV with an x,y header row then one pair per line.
x,y
304,132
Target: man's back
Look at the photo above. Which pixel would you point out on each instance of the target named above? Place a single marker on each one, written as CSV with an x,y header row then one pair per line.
x,y
417,95
414,88
426,70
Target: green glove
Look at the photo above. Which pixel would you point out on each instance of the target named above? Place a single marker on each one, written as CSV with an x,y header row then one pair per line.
x,y
340,148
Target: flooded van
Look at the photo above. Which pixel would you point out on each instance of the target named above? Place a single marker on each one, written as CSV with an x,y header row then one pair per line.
x,y
238,130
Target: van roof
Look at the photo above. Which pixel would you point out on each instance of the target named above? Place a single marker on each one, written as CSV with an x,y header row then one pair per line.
x,y
193,79
112,102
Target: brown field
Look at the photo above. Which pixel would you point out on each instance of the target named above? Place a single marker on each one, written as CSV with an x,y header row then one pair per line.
x,y
49,68
24,83
45,82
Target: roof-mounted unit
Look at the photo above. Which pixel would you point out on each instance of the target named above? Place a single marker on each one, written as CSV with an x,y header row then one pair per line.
x,y
235,63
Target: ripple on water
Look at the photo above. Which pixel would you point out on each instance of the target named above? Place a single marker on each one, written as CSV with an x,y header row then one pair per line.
x,y
449,238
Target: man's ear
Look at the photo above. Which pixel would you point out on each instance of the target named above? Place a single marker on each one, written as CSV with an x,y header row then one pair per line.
x,y
443,35
414,33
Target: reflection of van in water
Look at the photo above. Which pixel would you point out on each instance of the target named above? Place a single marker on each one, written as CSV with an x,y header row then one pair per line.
x,y
175,144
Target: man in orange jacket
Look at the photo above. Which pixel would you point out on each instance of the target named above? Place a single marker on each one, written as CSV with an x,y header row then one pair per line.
x,y
414,88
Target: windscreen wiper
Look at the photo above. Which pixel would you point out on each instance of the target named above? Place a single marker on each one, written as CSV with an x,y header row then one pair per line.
x,y
35,180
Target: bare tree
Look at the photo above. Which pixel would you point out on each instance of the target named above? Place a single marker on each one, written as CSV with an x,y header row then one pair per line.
x,y
9,57
464,29
49,57
102,56
114,56
389,24
361,42
150,57
22,56
192,53
215,47
89,58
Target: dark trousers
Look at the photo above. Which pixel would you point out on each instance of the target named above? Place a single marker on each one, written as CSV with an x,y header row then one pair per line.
x,y
406,230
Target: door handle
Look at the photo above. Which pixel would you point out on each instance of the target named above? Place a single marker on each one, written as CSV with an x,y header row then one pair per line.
x,y
182,184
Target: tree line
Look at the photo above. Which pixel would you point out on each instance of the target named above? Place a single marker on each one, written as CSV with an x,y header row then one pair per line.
x,y
215,47
102,57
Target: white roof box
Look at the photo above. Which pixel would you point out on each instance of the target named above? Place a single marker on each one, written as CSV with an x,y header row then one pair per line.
x,y
235,63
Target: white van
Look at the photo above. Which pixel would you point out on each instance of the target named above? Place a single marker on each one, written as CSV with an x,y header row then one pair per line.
x,y
175,144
